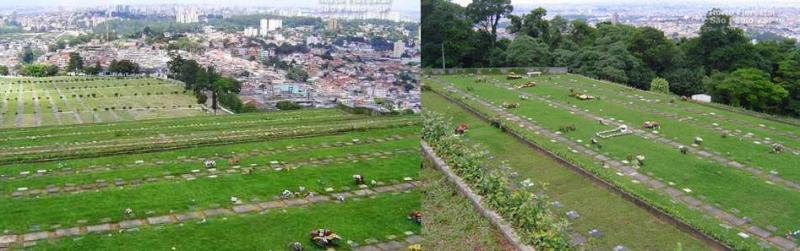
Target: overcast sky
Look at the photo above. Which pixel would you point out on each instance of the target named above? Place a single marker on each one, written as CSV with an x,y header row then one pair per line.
x,y
401,5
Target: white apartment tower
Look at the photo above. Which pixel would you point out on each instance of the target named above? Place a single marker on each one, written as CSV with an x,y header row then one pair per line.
x,y
399,48
187,16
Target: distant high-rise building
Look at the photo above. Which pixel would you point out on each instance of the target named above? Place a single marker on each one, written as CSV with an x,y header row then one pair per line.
x,y
399,49
187,16
332,24
263,27
250,31
274,24
615,18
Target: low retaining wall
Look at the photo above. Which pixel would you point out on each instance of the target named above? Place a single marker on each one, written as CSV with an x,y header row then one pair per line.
x,y
655,211
506,230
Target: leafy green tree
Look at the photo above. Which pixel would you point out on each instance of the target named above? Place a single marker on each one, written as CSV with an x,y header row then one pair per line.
x,y
93,70
445,26
749,88
287,105
527,51
124,66
4,70
659,85
581,33
532,24
653,48
75,63
27,56
297,74
488,13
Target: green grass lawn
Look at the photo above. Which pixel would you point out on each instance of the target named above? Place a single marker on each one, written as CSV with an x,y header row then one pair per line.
x,y
764,203
622,222
450,221
83,156
90,97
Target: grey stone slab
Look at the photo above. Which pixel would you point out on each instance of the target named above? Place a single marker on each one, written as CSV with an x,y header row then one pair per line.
x,y
675,193
716,212
245,208
783,242
691,201
296,202
392,245
99,228
577,239
656,184
732,219
368,248
157,220
218,212
64,232
414,239
130,224
319,198
189,216
34,236
384,189
363,192
759,231
7,240
272,204
735,164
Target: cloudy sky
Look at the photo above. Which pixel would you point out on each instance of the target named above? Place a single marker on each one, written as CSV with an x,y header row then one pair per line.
x,y
401,5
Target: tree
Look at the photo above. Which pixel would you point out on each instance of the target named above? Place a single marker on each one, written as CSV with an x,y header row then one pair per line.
x,y
38,70
527,51
93,70
487,14
653,48
75,63
297,74
659,85
287,105
532,24
124,66
748,87
27,56
445,26
4,70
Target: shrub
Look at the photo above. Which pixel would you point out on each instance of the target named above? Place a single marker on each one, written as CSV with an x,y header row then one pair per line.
x,y
659,85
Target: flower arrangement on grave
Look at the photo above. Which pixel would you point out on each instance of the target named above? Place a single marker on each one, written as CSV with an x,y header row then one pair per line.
x,y
325,237
358,179
210,163
234,161
683,149
596,143
567,128
415,216
495,122
777,148
526,85
651,125
128,211
287,194
513,76
295,246
415,247
510,105
698,140
640,159
461,129
235,200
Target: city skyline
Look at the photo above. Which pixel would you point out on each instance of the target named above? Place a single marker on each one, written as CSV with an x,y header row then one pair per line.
x,y
405,5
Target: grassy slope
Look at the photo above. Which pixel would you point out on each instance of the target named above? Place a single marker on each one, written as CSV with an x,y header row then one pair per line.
x,y
353,220
451,222
620,221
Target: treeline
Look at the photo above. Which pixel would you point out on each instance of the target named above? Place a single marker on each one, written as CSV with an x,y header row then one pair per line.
x,y
204,81
722,61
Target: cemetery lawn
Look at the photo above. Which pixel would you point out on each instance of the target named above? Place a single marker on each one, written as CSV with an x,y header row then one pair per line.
x,y
619,221
31,102
451,222
85,178
357,221
758,194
